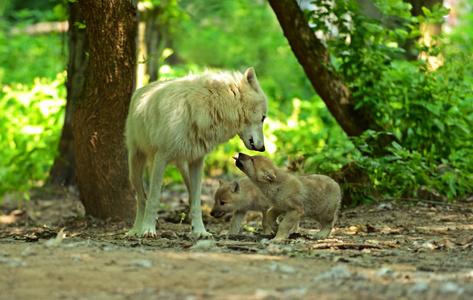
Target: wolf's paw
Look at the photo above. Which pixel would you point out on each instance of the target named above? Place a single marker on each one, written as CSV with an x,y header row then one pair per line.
x,y
148,233
202,234
132,233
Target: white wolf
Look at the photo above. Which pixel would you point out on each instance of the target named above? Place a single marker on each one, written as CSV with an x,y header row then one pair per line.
x,y
180,121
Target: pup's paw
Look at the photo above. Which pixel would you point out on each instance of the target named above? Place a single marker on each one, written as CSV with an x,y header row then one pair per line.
x,y
277,240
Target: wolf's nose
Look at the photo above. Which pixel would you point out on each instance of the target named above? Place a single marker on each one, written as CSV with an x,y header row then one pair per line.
x,y
262,149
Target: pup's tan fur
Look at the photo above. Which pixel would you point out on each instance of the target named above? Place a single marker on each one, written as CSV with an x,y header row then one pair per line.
x,y
180,121
238,198
315,196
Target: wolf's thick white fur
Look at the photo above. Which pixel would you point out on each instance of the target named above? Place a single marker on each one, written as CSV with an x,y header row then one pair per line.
x,y
180,121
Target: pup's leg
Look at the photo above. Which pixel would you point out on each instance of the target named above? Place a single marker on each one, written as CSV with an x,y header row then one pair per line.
x,y
148,228
272,218
324,232
290,220
295,228
328,217
136,164
266,227
195,174
327,225
235,223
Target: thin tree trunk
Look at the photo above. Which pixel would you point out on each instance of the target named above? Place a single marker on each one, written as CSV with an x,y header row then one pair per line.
x,y
100,114
63,170
315,60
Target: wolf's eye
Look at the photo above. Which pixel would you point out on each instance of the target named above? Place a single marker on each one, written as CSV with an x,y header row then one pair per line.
x,y
264,117
222,203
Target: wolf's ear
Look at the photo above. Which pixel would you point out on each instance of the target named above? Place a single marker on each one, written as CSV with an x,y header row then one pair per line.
x,y
250,77
220,182
235,187
269,176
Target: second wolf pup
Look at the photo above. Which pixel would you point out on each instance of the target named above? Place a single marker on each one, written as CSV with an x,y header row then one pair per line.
x,y
239,197
315,196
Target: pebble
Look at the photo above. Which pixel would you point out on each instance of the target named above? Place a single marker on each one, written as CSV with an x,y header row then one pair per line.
x,y
418,287
275,267
144,263
337,272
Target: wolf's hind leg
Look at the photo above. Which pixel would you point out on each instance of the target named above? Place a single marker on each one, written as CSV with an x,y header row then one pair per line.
x,y
148,228
183,167
136,164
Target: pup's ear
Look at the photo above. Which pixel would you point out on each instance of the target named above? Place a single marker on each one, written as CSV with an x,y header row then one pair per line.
x,y
220,182
250,77
235,187
269,175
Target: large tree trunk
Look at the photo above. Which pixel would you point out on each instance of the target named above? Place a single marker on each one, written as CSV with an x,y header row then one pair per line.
x,y
100,114
63,171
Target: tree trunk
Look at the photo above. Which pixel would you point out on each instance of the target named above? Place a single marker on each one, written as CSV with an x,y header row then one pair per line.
x,y
63,171
154,36
314,58
101,110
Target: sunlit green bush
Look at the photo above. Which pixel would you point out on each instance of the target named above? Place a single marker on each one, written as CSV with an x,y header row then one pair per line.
x,y
428,108
31,120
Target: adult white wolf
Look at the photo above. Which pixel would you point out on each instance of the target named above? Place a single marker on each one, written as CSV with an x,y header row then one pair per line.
x,y
180,121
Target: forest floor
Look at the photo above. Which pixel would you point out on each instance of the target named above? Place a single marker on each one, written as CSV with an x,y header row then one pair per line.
x,y
386,250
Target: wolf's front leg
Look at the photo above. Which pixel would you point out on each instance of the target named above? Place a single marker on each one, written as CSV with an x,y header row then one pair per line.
x,y
195,175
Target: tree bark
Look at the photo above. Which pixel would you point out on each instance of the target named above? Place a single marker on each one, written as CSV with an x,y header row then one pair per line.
x,y
63,170
101,110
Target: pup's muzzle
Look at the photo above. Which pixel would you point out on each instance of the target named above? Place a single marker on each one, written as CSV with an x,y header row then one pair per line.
x,y
239,161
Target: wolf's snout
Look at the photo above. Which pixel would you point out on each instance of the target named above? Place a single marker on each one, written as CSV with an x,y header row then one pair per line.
x,y
253,146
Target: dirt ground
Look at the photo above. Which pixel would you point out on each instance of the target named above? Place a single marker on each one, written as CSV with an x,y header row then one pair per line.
x,y
387,250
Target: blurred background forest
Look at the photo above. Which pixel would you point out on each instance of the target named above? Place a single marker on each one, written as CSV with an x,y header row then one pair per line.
x,y
420,94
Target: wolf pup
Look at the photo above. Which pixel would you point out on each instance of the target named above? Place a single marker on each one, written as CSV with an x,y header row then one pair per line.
x,y
315,196
180,121
239,197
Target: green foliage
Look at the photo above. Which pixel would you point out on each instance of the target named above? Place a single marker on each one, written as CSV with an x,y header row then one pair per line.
x,y
31,122
429,110
238,35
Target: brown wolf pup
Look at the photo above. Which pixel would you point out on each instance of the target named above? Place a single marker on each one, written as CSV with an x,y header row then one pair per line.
x,y
315,196
239,197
